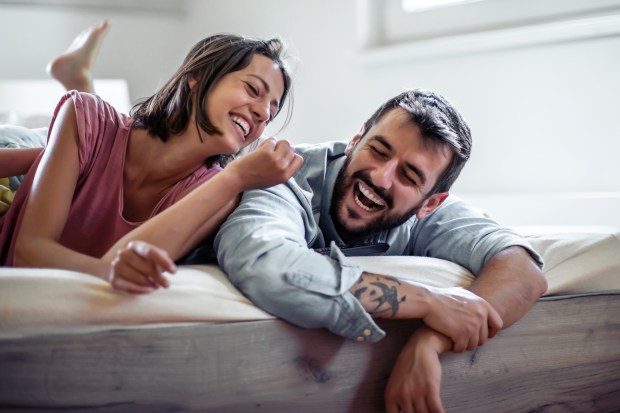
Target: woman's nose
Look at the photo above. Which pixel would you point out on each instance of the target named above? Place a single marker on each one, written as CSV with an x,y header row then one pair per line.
x,y
260,109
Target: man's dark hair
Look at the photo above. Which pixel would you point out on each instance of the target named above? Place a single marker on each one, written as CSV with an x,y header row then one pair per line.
x,y
438,120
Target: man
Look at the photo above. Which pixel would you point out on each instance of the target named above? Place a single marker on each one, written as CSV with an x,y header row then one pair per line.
x,y
388,186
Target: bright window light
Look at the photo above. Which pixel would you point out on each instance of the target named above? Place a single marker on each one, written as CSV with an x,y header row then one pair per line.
x,y
411,6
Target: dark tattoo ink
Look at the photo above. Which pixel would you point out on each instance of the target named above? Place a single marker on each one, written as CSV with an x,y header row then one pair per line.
x,y
389,297
358,293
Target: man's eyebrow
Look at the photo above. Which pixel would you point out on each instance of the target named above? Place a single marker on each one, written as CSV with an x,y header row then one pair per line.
x,y
409,166
267,89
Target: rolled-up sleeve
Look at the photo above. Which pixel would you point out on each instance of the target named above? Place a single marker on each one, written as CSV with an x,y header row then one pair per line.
x,y
263,248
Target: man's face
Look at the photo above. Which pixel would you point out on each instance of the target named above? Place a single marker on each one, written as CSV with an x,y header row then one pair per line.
x,y
387,177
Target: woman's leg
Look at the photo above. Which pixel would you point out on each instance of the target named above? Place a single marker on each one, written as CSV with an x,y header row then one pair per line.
x,y
20,146
73,68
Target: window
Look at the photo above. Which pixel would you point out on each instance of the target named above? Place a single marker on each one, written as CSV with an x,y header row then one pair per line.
x,y
474,24
410,6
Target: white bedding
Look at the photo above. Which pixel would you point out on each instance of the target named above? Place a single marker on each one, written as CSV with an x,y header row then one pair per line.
x,y
579,260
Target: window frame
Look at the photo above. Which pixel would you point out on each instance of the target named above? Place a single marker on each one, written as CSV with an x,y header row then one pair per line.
x,y
382,28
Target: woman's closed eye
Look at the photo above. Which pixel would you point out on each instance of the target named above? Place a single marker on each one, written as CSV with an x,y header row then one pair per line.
x,y
253,90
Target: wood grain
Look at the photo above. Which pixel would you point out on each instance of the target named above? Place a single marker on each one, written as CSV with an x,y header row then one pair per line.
x,y
564,356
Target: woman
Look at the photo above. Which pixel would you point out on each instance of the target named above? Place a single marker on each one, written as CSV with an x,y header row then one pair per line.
x,y
104,176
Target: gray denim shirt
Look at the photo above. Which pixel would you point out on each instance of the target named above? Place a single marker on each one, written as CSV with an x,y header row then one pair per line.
x,y
267,247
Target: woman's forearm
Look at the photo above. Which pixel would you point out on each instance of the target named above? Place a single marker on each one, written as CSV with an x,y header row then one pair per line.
x,y
17,161
183,225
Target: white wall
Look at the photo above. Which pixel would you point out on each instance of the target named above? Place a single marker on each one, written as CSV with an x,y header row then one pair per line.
x,y
544,118
143,47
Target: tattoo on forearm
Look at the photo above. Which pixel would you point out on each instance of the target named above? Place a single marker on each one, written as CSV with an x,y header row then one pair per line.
x,y
358,293
377,291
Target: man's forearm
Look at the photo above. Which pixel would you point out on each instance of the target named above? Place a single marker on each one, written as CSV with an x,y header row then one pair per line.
x,y
511,282
384,296
459,314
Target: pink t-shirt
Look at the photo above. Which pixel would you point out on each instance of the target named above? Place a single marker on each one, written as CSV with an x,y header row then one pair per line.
x,y
95,219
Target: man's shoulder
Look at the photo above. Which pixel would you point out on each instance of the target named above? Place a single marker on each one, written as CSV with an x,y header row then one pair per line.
x,y
323,150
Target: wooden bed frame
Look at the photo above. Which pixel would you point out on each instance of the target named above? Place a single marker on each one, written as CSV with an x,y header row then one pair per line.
x,y
563,356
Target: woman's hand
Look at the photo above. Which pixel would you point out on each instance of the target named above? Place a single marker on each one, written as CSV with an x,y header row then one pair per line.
x,y
415,382
272,163
139,268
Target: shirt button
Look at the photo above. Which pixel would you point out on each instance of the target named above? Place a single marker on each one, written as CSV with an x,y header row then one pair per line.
x,y
360,338
367,332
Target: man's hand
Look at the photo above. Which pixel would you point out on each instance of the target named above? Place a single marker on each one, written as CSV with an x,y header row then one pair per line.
x,y
415,381
466,318
139,267
511,281
463,316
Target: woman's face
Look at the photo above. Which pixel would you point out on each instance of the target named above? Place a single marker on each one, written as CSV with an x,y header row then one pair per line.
x,y
242,103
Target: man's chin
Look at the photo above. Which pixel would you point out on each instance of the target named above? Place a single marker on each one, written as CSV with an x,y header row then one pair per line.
x,y
354,232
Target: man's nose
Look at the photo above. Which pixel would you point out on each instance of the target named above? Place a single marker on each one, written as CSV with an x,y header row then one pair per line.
x,y
383,174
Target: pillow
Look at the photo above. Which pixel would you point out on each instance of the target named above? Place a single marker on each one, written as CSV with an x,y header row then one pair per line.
x,y
12,136
577,260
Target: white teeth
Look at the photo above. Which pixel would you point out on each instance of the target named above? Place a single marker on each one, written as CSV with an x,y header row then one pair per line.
x,y
365,192
241,124
369,195
359,203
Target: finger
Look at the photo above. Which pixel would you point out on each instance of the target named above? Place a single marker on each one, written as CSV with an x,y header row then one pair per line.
x,y
283,146
484,334
495,322
472,344
157,256
140,271
268,143
122,284
459,345
132,267
407,407
296,162
434,402
419,406
392,408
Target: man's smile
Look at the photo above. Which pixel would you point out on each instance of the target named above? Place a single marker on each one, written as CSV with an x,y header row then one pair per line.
x,y
366,198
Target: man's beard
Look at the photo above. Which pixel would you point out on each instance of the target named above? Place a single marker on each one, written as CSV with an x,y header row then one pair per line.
x,y
381,223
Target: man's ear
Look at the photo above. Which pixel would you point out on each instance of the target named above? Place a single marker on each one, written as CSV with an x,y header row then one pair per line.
x,y
352,144
431,204
354,141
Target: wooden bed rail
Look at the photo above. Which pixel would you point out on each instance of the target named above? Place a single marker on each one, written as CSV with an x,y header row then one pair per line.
x,y
564,356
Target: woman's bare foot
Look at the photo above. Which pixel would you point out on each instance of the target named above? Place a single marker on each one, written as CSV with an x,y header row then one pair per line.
x,y
73,68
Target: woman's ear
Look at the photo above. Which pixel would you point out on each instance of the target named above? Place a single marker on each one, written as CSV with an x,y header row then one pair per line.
x,y
191,82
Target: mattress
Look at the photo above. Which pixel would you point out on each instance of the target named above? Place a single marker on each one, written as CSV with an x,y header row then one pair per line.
x,y
35,301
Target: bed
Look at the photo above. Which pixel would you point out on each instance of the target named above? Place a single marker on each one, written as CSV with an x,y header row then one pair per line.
x,y
70,343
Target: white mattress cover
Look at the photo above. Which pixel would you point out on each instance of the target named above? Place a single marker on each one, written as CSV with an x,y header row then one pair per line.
x,y
578,260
